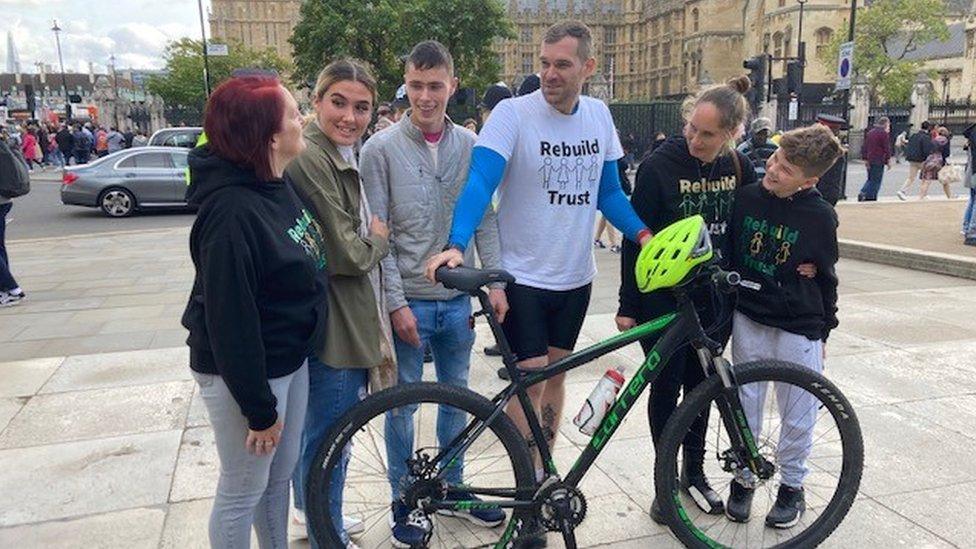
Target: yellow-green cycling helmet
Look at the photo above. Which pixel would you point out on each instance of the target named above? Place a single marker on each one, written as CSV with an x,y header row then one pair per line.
x,y
672,254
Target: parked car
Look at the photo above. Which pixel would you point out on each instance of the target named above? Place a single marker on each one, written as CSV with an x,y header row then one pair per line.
x,y
176,137
128,180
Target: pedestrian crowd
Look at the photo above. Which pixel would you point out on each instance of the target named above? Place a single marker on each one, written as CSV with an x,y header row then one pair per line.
x,y
47,145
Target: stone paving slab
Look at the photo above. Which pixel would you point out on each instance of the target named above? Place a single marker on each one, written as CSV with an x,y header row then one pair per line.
x,y
72,479
132,529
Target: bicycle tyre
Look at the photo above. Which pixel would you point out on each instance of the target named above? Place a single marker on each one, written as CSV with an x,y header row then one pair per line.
x,y
852,464
402,395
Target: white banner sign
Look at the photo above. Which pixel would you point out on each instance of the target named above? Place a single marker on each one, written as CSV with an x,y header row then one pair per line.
x,y
217,49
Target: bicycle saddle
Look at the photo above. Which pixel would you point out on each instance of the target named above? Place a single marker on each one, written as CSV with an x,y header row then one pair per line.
x,y
467,279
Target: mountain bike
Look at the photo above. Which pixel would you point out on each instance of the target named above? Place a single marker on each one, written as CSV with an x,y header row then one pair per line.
x,y
484,462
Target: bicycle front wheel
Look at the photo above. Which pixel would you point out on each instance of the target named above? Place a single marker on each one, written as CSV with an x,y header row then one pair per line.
x,y
807,435
435,455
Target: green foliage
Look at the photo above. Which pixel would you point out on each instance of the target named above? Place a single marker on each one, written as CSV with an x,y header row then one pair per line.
x,y
183,84
382,32
886,32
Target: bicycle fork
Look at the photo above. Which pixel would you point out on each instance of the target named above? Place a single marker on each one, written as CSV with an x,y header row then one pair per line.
x,y
744,448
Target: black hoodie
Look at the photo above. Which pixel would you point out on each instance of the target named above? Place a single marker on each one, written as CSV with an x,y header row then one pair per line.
x,y
769,238
259,294
672,185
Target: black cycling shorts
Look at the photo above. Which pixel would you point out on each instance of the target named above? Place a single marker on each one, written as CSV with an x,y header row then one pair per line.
x,y
538,319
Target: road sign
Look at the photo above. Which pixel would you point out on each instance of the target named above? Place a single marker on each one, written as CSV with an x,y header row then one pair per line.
x,y
845,66
217,49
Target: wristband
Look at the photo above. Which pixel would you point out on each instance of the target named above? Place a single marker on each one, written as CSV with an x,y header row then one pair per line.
x,y
642,232
453,246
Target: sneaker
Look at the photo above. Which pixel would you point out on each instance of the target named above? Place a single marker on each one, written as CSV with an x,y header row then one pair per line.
x,y
493,350
615,249
503,374
656,514
599,244
901,195
8,299
482,517
740,502
789,507
299,525
706,498
409,528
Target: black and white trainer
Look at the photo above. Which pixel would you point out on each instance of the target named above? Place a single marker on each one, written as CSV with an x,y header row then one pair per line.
x,y
706,498
789,507
739,505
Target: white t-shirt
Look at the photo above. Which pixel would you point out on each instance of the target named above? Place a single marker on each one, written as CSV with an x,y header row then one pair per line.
x,y
547,197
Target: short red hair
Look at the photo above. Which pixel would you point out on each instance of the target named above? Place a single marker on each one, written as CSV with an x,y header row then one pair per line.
x,y
242,116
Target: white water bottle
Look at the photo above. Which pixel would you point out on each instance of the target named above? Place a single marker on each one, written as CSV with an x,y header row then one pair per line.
x,y
600,400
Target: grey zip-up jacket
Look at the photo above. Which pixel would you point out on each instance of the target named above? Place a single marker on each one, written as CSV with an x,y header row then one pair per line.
x,y
417,201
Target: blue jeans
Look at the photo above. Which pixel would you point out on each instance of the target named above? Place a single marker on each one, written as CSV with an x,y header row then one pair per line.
x,y
446,326
873,184
56,158
7,281
331,393
967,218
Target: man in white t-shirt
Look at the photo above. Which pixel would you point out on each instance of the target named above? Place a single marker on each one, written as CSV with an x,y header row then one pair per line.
x,y
552,156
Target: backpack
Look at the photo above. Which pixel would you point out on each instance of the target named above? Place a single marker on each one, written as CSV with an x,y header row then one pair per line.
x,y
14,179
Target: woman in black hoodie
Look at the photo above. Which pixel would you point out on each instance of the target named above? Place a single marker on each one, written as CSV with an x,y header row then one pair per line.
x,y
258,298
696,173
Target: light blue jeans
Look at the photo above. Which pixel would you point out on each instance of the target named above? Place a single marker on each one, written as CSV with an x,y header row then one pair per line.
x,y
446,326
253,489
968,221
331,393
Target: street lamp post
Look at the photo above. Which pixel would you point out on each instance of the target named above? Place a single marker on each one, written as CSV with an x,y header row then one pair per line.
x,y
206,56
64,80
115,92
945,94
801,53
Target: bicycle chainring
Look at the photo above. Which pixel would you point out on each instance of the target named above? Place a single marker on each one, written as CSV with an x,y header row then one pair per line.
x,y
558,503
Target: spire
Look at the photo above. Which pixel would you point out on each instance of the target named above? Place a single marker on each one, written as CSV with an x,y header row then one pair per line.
x,y
13,60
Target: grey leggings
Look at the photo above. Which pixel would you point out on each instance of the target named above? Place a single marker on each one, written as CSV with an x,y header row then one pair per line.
x,y
253,489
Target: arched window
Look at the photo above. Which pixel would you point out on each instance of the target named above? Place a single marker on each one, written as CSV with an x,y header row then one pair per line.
x,y
788,41
694,20
778,44
823,37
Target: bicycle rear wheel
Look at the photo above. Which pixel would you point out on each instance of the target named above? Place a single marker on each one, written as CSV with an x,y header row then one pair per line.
x,y
828,463
495,468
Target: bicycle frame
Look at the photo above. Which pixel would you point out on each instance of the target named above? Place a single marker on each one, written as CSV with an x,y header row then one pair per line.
x,y
680,328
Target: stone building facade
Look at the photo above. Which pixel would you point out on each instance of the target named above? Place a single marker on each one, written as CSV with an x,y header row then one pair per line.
x,y
257,24
652,48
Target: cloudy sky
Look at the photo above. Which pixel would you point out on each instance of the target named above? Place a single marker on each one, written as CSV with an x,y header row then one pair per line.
x,y
135,31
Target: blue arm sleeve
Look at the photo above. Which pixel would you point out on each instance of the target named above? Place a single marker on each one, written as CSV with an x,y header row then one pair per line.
x,y
614,204
484,175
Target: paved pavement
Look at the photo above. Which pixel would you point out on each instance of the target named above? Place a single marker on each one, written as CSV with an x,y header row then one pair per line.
x,y
104,443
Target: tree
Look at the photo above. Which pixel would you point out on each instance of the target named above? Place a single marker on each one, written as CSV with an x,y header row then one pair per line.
x,y
887,31
182,85
382,32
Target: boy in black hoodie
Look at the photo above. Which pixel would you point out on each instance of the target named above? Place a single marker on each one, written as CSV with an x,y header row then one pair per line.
x,y
775,227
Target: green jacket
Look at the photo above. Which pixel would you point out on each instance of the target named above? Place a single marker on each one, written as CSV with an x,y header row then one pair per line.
x,y
331,186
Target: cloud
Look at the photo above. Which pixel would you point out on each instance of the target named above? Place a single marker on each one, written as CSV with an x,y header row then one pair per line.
x,y
136,36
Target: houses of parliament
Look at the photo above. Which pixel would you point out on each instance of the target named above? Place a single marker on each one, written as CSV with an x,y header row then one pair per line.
x,y
649,48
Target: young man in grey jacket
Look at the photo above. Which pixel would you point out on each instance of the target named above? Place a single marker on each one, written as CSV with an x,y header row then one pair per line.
x,y
413,173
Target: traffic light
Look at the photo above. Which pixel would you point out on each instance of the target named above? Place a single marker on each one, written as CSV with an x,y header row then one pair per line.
x,y
758,67
794,76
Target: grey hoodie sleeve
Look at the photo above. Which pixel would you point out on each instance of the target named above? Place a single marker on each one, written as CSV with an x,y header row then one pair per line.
x,y
376,181
487,242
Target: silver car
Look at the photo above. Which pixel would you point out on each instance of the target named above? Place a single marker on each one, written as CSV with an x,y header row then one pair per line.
x,y
128,180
